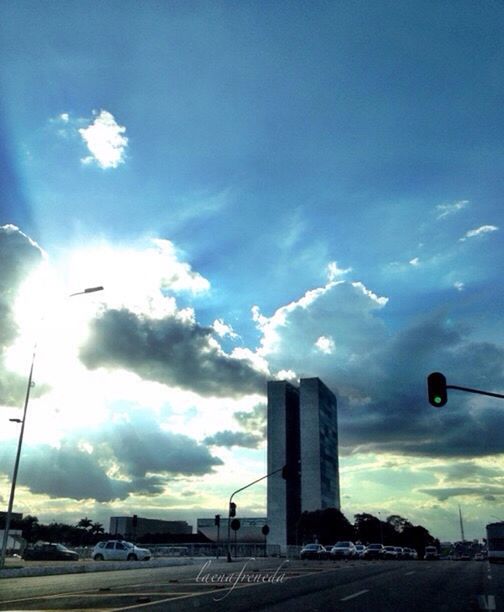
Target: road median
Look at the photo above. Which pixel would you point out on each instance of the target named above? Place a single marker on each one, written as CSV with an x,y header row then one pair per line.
x,y
82,567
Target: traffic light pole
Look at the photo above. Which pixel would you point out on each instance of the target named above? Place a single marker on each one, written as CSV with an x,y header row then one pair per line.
x,y
229,508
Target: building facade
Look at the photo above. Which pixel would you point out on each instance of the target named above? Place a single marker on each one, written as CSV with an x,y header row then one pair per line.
x,y
132,527
284,495
319,446
250,530
302,435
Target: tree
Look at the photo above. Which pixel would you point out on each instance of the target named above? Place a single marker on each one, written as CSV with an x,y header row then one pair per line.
x,y
398,522
96,528
85,523
368,528
328,525
418,538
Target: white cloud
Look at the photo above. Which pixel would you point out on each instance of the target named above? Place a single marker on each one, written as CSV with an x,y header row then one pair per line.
x,y
105,140
459,286
449,209
380,300
334,272
325,345
415,261
338,314
223,329
484,229
286,375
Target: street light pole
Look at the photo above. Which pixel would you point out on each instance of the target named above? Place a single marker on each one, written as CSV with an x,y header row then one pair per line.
x,y
229,509
20,442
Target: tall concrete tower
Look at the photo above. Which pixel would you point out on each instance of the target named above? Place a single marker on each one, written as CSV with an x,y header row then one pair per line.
x,y
319,446
284,496
302,434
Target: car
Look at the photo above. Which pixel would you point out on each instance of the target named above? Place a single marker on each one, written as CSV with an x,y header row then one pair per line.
x,y
373,551
480,556
409,553
119,550
359,549
343,550
400,553
389,552
314,551
45,551
431,553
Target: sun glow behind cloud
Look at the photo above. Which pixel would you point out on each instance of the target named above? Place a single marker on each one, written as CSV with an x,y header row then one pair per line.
x,y
72,405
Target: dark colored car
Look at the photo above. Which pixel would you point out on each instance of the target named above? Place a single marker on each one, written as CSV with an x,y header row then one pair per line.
x,y
49,552
373,551
389,552
314,551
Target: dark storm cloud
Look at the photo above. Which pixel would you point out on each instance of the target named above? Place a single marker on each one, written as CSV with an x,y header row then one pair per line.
x,y
468,470
66,472
19,255
170,351
379,374
398,417
142,448
144,456
233,438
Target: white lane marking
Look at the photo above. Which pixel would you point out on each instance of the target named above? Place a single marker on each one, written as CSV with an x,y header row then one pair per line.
x,y
409,573
355,595
486,602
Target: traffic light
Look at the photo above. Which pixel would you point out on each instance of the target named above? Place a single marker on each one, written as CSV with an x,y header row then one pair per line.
x,y
134,522
217,520
232,509
436,386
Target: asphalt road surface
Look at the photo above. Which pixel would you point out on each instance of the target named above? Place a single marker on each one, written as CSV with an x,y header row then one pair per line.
x,y
270,585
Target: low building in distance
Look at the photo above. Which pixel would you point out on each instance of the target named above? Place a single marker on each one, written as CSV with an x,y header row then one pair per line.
x,y
250,531
133,527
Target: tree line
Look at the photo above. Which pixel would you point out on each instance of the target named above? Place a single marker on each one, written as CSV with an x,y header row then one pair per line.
x,y
84,533
330,525
326,526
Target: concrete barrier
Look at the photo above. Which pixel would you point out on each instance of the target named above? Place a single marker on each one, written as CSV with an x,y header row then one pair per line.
x,y
91,566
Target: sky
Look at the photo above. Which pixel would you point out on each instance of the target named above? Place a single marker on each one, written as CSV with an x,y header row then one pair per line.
x,y
265,191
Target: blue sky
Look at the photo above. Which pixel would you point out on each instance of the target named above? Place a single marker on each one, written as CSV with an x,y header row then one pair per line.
x,y
217,161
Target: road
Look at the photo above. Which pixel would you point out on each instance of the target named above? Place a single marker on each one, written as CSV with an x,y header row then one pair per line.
x,y
269,585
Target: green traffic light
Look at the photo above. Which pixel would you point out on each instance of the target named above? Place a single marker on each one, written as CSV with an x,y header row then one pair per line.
x,y
436,389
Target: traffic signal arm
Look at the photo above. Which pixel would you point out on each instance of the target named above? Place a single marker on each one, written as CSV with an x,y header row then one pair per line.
x,y
475,391
438,394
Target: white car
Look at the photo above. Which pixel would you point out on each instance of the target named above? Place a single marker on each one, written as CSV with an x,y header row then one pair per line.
x,y
119,550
